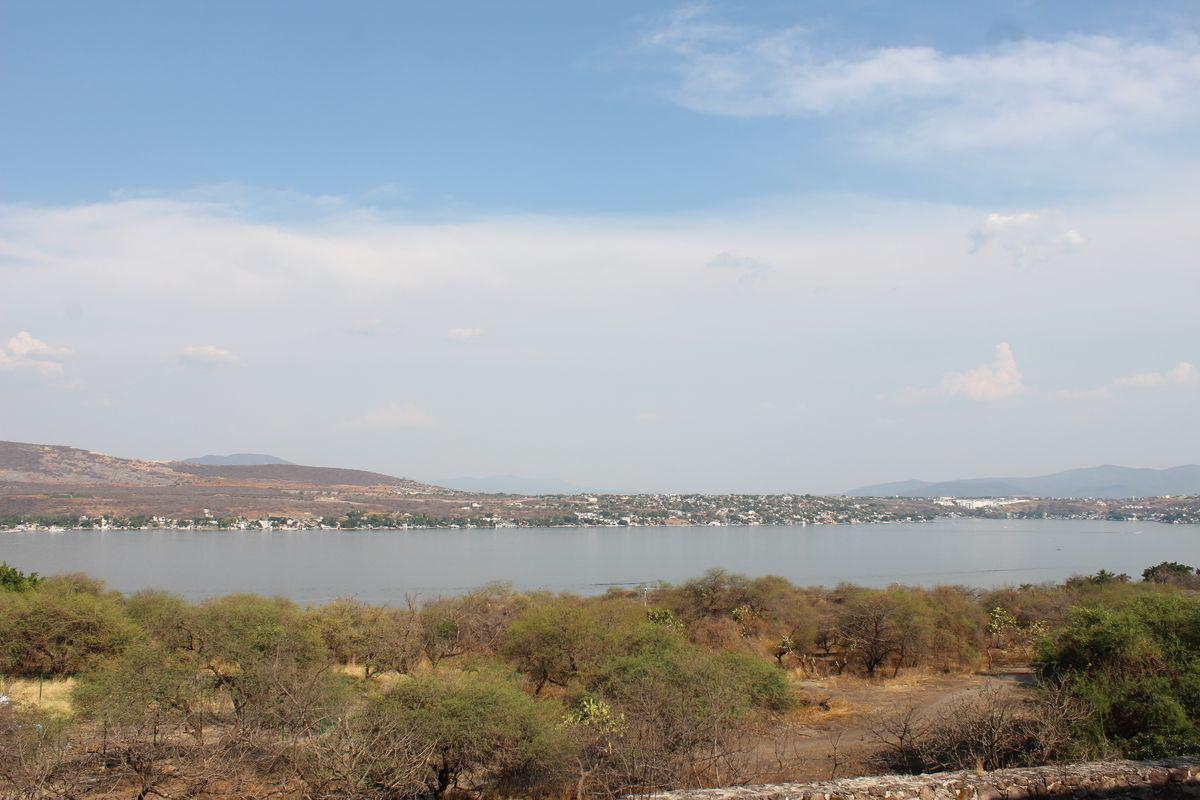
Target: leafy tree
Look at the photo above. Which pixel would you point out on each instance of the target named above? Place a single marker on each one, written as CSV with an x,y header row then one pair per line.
x,y
552,638
12,579
470,730
1174,573
166,618
377,638
868,623
148,687
61,627
681,709
269,658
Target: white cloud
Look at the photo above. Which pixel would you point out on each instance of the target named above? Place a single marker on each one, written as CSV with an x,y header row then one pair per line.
x,y
24,353
646,416
1182,374
25,346
206,355
1026,237
389,417
747,269
351,268
993,381
464,334
920,99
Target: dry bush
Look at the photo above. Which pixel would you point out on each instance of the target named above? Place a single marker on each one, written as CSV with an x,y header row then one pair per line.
x,y
654,741
994,728
38,757
719,633
357,762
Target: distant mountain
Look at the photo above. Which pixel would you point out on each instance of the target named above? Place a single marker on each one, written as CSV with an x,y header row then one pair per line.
x,y
1106,481
236,460
509,484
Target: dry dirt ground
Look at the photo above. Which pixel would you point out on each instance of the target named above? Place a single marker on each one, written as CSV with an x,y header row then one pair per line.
x,y
829,737
832,736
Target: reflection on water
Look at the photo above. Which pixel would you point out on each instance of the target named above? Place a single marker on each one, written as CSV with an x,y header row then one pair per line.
x,y
384,566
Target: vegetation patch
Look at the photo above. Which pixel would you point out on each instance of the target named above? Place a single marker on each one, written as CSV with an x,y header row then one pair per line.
x,y
496,693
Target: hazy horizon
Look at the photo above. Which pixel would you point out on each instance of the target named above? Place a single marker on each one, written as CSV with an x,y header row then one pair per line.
x,y
708,247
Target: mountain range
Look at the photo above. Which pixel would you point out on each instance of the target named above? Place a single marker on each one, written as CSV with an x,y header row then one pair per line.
x,y
1107,481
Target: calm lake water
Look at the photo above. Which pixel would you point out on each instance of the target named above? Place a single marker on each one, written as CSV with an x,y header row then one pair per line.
x,y
384,566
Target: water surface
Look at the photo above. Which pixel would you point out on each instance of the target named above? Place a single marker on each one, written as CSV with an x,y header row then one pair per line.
x,y
384,566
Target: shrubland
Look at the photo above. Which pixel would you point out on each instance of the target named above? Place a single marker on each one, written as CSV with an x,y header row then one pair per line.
x,y
498,693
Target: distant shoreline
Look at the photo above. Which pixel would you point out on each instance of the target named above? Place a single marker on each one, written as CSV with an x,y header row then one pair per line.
x,y
403,528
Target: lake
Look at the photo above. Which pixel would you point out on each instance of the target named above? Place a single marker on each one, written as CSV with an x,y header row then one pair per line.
x,y
384,566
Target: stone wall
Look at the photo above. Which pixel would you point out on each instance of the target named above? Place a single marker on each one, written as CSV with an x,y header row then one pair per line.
x,y
1174,778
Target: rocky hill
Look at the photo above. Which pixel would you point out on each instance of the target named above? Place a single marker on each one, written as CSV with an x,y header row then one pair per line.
x,y
57,465
39,480
53,465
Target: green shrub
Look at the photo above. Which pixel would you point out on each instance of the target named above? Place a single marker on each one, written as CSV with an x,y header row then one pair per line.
x,y
765,685
557,639
166,618
60,628
148,685
13,580
1138,666
476,730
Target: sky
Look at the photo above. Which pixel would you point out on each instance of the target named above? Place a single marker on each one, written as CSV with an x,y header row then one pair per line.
x,y
768,246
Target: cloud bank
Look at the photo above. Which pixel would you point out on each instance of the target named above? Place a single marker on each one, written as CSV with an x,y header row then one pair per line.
x,y
921,100
601,318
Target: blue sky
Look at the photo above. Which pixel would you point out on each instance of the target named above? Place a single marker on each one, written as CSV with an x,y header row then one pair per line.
x,y
636,245
543,106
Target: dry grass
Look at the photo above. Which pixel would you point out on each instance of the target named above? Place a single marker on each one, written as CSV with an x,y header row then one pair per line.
x,y
841,698
52,695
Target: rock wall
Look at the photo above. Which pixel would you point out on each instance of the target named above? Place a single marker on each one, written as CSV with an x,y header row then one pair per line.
x,y
1172,778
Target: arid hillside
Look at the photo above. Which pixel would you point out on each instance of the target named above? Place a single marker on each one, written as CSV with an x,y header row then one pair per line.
x,y
38,479
52,465
57,465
